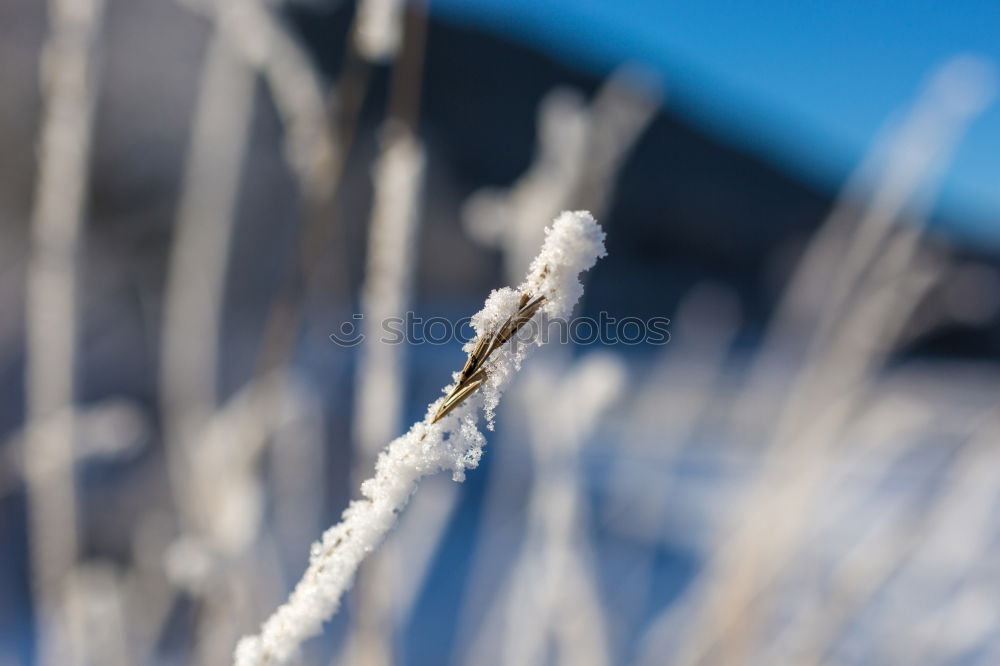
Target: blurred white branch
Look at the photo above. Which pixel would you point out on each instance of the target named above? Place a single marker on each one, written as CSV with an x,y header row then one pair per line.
x,y
108,430
553,591
69,73
386,290
380,375
578,154
96,612
197,270
300,93
193,310
865,316
378,29
897,178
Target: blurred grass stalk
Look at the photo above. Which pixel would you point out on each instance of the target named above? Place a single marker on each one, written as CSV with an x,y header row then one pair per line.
x,y
199,258
388,282
553,594
69,71
378,29
381,35
878,279
193,306
381,376
896,179
247,39
691,370
579,151
299,92
953,525
106,430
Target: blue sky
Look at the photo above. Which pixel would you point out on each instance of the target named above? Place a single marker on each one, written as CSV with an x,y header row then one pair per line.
x,y
805,83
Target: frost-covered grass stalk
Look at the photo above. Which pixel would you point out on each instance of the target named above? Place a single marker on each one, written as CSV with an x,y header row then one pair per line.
x,y
446,439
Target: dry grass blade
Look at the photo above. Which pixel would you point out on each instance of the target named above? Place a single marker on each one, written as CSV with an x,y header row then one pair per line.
x,y
473,373
458,396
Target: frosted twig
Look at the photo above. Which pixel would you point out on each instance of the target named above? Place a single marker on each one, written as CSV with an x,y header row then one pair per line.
x,y
447,437
69,89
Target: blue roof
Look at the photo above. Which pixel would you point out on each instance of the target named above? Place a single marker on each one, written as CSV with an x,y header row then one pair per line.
x,y
807,84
